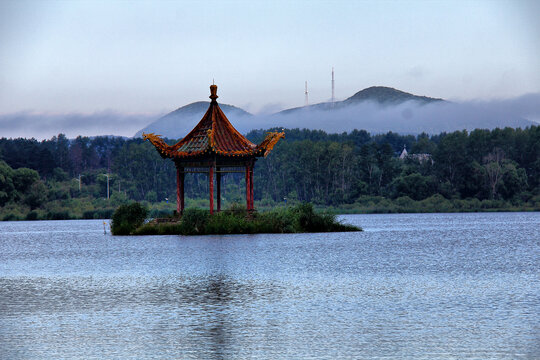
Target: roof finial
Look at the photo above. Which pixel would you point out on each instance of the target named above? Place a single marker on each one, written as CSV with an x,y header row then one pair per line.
x,y
213,92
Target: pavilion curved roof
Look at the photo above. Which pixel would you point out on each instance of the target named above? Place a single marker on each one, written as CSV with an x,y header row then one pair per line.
x,y
214,134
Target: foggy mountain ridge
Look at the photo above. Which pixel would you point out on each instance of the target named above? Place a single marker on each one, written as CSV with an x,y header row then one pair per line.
x,y
385,96
180,122
196,107
398,112
375,109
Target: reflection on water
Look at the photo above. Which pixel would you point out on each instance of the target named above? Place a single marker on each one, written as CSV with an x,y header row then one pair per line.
x,y
433,286
203,317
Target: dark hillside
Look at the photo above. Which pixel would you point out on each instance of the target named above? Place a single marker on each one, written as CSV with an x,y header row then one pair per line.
x,y
388,96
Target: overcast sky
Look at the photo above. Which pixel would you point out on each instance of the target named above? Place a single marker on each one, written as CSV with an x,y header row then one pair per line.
x,y
139,59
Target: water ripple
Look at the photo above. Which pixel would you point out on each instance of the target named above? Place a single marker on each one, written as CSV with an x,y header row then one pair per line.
x,y
413,286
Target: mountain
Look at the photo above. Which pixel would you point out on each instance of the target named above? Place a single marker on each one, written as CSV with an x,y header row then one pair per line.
x,y
178,123
387,96
376,109
381,109
381,95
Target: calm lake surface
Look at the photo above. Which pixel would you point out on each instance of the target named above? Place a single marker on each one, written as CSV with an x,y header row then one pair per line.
x,y
412,286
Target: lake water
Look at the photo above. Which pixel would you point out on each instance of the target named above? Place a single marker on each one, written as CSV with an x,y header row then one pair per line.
x,y
411,286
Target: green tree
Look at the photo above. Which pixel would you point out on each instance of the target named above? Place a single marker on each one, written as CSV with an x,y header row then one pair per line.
x,y
414,185
514,180
7,189
23,178
451,160
493,170
36,195
127,218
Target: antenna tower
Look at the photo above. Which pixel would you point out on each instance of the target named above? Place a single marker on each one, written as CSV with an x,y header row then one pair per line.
x,y
306,93
333,88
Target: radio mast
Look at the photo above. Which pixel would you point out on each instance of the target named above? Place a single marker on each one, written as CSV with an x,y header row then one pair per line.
x,y
306,93
333,88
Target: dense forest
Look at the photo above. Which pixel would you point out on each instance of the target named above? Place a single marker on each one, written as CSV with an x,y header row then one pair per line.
x,y
460,171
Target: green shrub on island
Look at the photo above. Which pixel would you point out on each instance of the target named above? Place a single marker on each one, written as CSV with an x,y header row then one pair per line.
x,y
127,218
294,219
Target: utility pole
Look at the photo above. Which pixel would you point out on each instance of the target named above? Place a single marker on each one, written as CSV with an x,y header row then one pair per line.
x,y
79,182
107,175
108,169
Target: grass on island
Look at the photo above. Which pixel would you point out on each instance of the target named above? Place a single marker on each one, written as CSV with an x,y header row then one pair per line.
x,y
130,220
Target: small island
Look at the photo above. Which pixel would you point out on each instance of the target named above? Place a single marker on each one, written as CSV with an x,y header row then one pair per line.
x,y
215,147
131,220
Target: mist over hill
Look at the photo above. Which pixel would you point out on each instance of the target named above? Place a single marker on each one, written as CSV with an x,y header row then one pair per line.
x,y
180,122
412,117
376,109
388,96
43,125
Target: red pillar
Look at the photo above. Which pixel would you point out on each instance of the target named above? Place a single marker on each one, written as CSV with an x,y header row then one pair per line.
x,y
211,179
248,192
182,174
251,195
218,190
179,190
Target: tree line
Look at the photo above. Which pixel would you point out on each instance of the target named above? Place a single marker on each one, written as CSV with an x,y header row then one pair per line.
x,y
308,165
335,169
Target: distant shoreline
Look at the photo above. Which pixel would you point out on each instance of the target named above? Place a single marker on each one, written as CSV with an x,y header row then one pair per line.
x,y
373,206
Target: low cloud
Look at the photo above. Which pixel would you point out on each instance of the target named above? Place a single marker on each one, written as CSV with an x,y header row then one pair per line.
x,y
412,117
408,118
270,108
45,125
